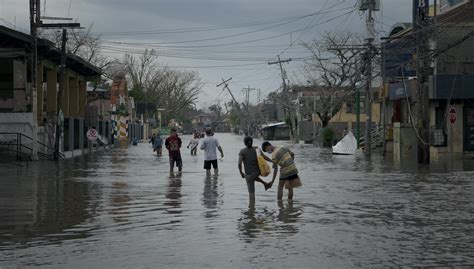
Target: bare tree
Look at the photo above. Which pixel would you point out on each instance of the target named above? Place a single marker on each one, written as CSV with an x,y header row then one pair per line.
x,y
179,91
163,87
334,71
83,44
144,74
217,110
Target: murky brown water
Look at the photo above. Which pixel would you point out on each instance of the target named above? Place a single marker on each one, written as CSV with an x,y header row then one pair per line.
x,y
121,208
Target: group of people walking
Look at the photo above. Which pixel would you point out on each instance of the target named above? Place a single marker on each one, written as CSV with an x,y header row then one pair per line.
x,y
173,144
251,158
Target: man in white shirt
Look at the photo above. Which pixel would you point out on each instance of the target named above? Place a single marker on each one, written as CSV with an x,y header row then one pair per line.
x,y
209,145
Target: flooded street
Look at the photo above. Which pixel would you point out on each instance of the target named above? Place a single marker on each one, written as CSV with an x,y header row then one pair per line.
x,y
122,208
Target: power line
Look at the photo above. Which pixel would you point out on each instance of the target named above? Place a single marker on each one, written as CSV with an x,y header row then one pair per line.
x,y
157,45
309,25
201,29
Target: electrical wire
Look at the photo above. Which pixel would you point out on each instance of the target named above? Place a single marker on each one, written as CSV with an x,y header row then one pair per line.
x,y
157,45
200,29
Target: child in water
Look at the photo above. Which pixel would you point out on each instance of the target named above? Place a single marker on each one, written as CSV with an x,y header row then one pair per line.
x,y
285,159
193,144
248,157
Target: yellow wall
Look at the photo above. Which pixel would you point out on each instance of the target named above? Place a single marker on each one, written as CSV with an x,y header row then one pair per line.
x,y
52,80
342,116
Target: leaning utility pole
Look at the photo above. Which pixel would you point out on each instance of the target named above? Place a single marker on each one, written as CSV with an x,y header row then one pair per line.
x,y
423,71
247,117
370,6
287,103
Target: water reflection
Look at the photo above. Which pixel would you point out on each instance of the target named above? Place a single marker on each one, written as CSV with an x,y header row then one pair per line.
x,y
211,198
248,224
173,194
120,201
288,217
268,222
35,204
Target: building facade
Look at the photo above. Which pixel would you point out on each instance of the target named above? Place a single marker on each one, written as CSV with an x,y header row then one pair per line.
x,y
29,115
451,84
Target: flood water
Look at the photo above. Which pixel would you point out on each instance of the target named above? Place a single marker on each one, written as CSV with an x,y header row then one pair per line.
x,y
120,208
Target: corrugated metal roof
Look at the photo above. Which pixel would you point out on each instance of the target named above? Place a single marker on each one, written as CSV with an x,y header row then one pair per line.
x,y
47,50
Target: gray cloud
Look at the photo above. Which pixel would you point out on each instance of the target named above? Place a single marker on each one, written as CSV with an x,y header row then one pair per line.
x,y
125,15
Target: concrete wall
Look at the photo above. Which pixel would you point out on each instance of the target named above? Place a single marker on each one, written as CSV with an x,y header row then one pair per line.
x,y
455,142
405,148
46,136
17,123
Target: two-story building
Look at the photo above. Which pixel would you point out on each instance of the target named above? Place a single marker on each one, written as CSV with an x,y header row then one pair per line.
x,y
451,79
29,115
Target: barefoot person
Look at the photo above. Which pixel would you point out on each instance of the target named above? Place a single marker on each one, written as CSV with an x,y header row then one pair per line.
x,y
173,144
248,156
158,144
209,145
283,157
193,144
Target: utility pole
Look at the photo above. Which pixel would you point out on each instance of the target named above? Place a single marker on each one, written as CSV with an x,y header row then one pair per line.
x,y
368,92
424,70
313,115
287,104
369,6
36,23
248,118
247,94
358,117
59,96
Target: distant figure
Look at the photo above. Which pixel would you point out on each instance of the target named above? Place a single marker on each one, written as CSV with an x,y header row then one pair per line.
x,y
173,145
193,144
158,145
283,157
209,145
152,139
248,156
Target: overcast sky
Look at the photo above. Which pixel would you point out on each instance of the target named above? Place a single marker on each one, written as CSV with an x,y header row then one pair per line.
x,y
245,34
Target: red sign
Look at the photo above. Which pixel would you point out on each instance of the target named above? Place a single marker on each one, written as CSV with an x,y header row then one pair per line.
x,y
452,115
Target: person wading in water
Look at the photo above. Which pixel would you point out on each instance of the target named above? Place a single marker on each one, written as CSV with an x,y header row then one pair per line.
x,y
209,145
285,159
248,157
173,144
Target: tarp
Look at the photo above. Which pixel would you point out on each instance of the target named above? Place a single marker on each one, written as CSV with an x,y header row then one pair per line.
x,y
273,125
103,139
347,145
